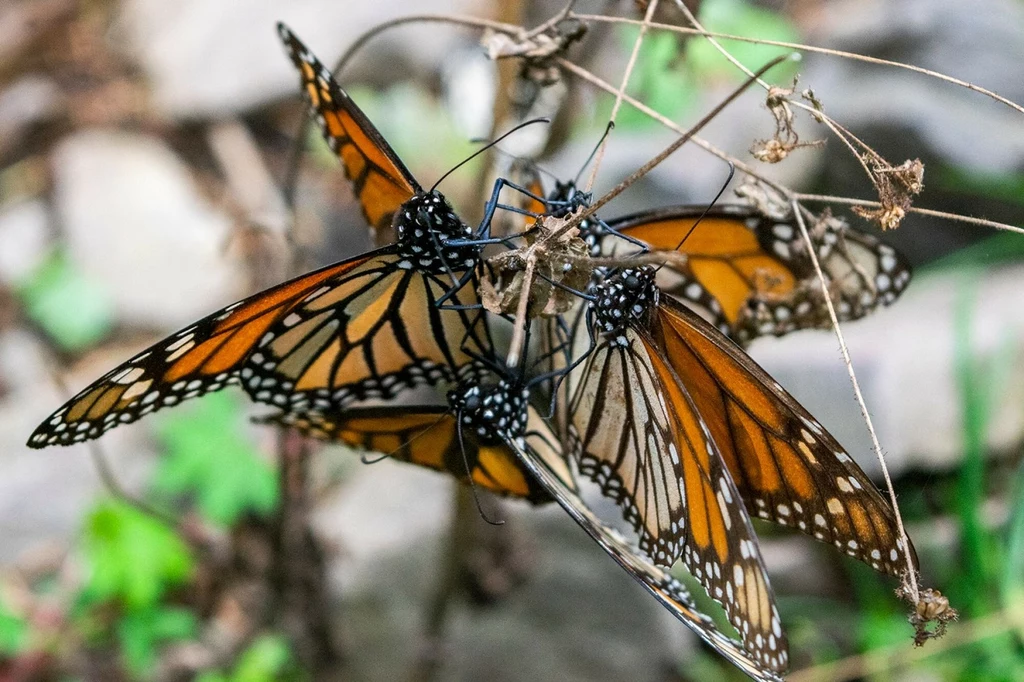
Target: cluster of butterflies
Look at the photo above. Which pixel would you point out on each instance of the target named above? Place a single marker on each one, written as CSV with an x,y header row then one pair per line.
x,y
640,387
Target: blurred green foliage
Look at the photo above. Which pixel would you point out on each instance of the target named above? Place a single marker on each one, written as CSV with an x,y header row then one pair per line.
x,y
268,659
983,574
71,308
136,566
131,557
13,630
671,71
209,460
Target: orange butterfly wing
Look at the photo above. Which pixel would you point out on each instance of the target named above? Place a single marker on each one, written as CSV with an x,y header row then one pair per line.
x,y
365,327
750,275
380,180
637,433
424,436
787,467
368,335
536,453
199,359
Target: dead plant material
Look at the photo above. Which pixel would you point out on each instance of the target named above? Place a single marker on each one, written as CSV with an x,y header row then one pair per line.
x,y
547,269
548,43
786,139
931,607
896,185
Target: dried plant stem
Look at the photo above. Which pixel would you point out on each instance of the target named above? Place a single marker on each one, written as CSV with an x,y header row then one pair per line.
x,y
808,48
685,136
897,656
911,575
515,346
113,486
692,18
670,124
753,172
981,222
630,65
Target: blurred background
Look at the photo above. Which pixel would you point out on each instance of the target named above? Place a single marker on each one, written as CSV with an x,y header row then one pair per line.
x,y
145,148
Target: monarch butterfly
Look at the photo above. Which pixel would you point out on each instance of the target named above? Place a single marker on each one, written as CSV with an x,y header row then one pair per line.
x,y
433,436
752,276
749,273
490,412
361,328
691,437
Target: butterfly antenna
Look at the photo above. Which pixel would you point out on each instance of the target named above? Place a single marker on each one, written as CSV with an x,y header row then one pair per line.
x,y
607,131
366,459
469,472
668,151
490,144
704,213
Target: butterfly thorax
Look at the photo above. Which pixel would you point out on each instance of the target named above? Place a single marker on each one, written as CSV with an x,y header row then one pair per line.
x,y
567,198
492,413
624,298
426,226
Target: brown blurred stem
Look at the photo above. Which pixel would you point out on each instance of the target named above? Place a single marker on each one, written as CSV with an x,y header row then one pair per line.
x,y
461,534
299,570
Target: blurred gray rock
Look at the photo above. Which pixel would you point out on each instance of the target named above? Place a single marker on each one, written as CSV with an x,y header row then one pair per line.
x,y
979,42
24,239
213,59
44,494
135,222
577,617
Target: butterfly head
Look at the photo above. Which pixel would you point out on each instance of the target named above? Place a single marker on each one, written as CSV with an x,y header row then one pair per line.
x,y
431,236
623,298
493,413
567,198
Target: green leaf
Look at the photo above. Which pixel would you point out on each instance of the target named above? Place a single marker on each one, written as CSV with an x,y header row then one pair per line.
x,y
210,460
737,17
73,309
267,659
13,630
131,557
658,80
142,633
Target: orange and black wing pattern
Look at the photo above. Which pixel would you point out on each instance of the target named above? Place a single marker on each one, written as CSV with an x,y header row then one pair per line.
x,y
199,359
365,327
751,275
536,452
380,180
787,467
425,436
638,435
368,334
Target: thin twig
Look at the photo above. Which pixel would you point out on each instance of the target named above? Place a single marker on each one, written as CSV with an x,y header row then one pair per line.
x,y
981,222
520,324
808,48
692,18
897,656
671,125
911,576
630,65
684,137
752,172
113,486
